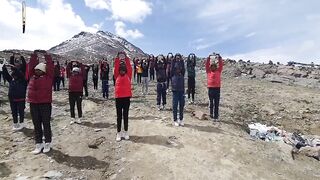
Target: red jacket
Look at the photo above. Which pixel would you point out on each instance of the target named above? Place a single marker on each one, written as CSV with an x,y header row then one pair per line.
x,y
40,88
123,83
214,77
76,80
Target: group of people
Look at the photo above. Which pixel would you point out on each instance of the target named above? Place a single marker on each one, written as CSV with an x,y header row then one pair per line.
x,y
35,81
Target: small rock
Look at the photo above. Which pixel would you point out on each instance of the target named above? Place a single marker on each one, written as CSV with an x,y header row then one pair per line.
x,y
95,143
200,115
52,175
97,130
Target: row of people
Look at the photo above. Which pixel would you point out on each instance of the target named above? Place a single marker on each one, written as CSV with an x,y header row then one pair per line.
x,y
42,76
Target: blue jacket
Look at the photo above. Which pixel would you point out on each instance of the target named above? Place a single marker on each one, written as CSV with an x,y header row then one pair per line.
x,y
177,75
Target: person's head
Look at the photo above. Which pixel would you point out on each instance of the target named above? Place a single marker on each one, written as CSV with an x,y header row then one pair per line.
x,y
75,70
122,55
160,60
214,62
122,68
178,57
40,69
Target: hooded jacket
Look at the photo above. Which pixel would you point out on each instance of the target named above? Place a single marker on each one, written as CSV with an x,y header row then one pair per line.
x,y
40,87
76,79
177,74
18,86
123,83
214,77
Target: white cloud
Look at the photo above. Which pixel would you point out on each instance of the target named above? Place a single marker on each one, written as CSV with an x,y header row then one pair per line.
x,y
120,29
47,26
134,11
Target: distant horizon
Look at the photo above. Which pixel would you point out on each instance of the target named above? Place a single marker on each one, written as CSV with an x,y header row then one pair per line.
x,y
236,29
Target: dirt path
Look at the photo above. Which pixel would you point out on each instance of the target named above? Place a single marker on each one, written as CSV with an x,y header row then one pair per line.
x,y
157,150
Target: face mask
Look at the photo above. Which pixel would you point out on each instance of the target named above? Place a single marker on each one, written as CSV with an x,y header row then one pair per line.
x,y
122,56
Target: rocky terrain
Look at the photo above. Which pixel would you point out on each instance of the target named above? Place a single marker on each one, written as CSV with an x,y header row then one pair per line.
x,y
157,150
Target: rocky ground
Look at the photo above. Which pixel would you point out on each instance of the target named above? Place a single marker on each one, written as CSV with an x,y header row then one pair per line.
x,y
157,150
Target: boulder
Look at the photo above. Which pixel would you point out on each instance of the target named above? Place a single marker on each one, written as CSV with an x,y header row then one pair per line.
x,y
96,142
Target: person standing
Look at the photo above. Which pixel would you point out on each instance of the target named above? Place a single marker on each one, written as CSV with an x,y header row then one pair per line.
x,y
177,73
62,75
214,67
160,68
57,77
2,63
139,71
104,76
152,67
123,93
16,94
40,99
76,75
168,65
85,79
144,76
191,64
95,76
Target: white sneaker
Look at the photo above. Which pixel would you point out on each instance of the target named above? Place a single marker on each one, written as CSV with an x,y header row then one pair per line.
x,y
163,107
47,147
15,127
176,124
79,121
21,126
118,138
38,149
125,135
181,123
159,108
72,120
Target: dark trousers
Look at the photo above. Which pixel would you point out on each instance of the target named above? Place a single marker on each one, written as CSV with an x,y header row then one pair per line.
x,y
168,82
191,87
139,75
62,80
105,89
95,83
214,99
85,87
41,116
17,108
75,98
151,75
161,93
56,84
177,99
122,106
134,74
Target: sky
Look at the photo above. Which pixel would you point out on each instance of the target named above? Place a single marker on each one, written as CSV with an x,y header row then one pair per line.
x,y
256,30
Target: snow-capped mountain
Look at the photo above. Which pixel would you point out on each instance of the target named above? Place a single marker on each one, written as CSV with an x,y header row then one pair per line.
x,y
95,46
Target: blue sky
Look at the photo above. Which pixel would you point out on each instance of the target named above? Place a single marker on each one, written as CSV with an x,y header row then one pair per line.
x,y
259,30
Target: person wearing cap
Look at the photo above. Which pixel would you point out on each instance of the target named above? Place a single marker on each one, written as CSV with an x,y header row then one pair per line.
x,y
152,67
168,66
16,94
40,99
214,66
76,75
144,76
177,87
191,64
57,77
123,93
104,76
160,68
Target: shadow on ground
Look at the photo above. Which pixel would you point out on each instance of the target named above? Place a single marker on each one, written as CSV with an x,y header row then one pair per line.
x,y
98,125
78,162
170,142
4,170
